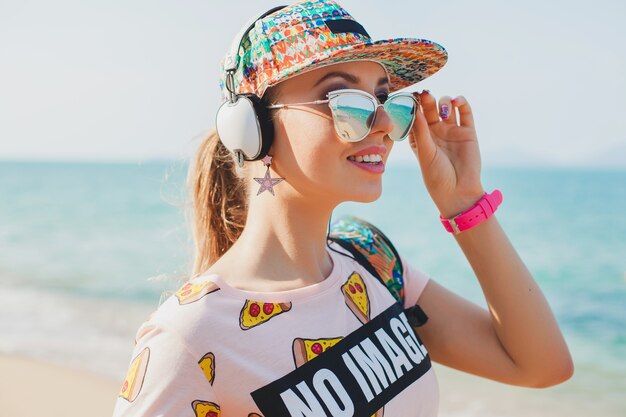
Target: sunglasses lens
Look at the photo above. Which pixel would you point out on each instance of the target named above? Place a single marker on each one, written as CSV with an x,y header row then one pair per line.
x,y
401,109
352,115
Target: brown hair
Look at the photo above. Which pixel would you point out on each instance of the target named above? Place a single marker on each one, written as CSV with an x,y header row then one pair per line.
x,y
219,202
219,198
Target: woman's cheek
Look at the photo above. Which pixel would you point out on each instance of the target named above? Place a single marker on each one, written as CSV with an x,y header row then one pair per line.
x,y
312,140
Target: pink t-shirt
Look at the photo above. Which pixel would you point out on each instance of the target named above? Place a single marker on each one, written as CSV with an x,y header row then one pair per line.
x,y
208,348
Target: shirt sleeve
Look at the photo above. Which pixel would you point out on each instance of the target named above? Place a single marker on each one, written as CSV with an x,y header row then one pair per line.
x,y
415,281
164,378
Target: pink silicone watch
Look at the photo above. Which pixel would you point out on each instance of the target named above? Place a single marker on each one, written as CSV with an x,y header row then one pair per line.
x,y
478,213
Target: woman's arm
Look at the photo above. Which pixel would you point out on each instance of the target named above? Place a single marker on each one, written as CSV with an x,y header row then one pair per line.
x,y
518,340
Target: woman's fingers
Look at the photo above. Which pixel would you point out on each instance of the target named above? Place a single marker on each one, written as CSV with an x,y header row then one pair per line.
x,y
429,107
446,111
465,111
421,141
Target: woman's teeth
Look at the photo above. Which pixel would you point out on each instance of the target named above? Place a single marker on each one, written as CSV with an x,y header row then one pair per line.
x,y
373,159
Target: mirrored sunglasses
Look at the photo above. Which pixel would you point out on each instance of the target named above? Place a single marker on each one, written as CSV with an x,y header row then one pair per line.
x,y
354,112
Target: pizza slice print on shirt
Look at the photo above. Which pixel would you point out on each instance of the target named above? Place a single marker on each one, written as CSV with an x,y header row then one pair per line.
x,y
254,313
207,363
357,300
135,376
305,350
193,291
205,409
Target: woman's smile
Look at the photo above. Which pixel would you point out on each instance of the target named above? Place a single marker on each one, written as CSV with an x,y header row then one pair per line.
x,y
370,159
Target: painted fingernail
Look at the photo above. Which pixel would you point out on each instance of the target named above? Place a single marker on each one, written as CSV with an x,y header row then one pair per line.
x,y
445,111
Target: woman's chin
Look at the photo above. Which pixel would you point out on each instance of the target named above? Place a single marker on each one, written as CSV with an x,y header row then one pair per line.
x,y
362,194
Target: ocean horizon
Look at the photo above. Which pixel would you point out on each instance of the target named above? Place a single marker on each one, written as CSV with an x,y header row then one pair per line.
x,y
88,250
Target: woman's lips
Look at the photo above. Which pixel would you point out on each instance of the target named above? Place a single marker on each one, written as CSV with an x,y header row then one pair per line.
x,y
377,168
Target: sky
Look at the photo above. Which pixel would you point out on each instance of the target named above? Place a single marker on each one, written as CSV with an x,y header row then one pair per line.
x,y
137,80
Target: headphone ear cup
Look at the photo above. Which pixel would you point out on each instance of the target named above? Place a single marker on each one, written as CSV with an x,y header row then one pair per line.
x,y
265,124
238,127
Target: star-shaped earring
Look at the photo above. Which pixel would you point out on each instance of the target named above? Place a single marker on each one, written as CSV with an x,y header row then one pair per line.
x,y
267,182
267,160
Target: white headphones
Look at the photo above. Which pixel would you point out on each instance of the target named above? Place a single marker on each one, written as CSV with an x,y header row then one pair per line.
x,y
242,122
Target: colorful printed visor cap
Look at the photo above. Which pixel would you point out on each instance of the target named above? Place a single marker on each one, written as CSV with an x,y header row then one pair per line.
x,y
310,34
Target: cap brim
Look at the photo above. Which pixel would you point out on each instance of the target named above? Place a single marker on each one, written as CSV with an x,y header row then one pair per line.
x,y
406,60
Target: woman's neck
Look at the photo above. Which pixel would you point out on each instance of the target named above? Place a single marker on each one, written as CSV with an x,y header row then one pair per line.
x,y
282,247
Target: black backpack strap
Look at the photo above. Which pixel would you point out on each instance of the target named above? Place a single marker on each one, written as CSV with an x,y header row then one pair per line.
x,y
375,252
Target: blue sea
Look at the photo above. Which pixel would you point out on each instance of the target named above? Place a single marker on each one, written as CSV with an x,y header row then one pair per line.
x,y
88,250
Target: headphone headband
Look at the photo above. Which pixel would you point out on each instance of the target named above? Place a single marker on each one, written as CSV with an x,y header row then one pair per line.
x,y
232,58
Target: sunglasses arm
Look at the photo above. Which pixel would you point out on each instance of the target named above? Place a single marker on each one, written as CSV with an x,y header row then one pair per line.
x,y
280,105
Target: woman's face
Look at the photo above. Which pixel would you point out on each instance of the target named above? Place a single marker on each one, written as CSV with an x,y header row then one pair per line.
x,y
307,151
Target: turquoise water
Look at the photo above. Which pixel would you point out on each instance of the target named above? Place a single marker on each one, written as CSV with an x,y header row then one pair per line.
x,y
399,113
117,232
92,229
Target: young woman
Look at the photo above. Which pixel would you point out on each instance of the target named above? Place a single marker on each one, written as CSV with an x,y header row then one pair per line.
x,y
277,320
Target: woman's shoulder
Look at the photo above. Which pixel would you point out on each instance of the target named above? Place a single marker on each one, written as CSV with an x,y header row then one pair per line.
x,y
187,308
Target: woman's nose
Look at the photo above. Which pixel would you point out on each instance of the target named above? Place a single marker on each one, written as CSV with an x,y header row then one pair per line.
x,y
382,121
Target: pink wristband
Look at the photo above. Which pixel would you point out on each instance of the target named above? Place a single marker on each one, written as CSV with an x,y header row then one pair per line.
x,y
475,215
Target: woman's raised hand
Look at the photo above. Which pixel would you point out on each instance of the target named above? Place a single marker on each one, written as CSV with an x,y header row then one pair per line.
x,y
446,147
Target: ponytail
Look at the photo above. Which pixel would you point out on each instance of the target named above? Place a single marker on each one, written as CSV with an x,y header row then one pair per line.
x,y
219,203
